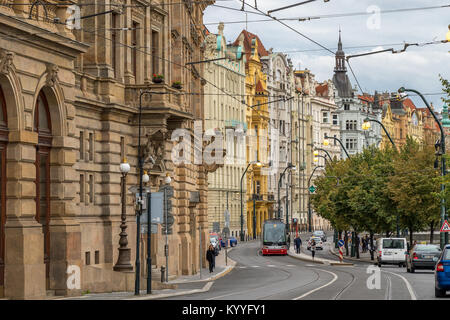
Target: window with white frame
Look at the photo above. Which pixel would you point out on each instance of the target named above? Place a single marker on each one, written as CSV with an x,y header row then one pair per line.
x,y
351,144
324,117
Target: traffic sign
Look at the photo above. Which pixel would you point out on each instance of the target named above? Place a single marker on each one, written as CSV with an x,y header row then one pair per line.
x,y
341,243
445,227
312,189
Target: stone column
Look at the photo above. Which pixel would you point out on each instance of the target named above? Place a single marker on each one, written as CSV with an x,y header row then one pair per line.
x,y
65,233
24,256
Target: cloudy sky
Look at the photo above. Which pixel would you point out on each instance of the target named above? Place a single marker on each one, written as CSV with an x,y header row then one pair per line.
x,y
417,68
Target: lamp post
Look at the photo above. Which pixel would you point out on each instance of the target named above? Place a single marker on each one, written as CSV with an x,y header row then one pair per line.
x,y
326,142
443,235
366,126
167,181
289,166
316,159
309,198
259,164
123,261
320,149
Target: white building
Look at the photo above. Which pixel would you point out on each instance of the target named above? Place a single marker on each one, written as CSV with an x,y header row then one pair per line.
x,y
279,71
352,112
227,115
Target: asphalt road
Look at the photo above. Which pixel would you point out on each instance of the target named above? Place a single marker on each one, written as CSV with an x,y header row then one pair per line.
x,y
258,277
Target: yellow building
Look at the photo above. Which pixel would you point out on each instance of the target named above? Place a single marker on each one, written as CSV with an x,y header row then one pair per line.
x,y
257,118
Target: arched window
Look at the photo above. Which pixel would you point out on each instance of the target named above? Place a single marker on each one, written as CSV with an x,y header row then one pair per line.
x,y
3,141
42,125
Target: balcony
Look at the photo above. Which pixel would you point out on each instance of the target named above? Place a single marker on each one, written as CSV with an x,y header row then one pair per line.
x,y
234,124
163,100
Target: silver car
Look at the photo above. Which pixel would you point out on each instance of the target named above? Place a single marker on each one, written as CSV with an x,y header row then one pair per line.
x,y
422,256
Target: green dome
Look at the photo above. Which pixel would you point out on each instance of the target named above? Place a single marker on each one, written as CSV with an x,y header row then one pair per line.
x,y
445,119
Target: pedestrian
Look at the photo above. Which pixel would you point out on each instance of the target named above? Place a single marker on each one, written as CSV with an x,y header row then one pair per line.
x,y
313,248
211,257
298,244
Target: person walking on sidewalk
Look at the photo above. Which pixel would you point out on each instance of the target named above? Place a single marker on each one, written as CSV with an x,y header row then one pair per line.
x,y
298,244
313,248
211,257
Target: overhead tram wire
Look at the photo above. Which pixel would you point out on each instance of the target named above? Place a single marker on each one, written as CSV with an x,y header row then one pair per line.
x,y
288,26
171,62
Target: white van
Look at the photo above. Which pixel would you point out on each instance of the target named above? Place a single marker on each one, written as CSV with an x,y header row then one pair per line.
x,y
391,251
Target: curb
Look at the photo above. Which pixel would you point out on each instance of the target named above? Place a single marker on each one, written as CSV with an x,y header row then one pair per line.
x,y
353,259
305,259
206,288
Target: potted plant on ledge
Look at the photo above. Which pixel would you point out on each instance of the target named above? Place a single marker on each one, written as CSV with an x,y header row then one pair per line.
x,y
158,78
177,85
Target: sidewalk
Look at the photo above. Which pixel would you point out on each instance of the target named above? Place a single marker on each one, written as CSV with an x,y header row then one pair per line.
x,y
184,284
363,256
307,257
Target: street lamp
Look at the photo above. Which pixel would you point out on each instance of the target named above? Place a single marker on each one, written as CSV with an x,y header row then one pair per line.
x,y
366,126
327,153
443,235
309,197
259,164
326,142
123,261
448,33
290,166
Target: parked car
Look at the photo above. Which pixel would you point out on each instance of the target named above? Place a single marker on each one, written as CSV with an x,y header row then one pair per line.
x,y
391,251
422,256
232,241
442,273
320,234
319,243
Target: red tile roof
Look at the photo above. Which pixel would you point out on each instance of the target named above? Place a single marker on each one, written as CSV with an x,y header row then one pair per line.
x,y
248,37
409,104
322,90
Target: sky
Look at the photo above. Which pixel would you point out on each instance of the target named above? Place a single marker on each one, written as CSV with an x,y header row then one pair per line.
x,y
416,68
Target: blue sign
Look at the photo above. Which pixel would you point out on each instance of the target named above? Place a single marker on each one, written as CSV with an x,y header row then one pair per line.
x,y
341,243
157,209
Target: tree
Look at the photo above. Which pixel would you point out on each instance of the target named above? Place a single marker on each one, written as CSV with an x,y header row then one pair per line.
x,y
413,188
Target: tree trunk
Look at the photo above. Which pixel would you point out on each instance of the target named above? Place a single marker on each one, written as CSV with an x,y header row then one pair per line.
x,y
346,242
388,234
431,232
371,246
357,245
410,237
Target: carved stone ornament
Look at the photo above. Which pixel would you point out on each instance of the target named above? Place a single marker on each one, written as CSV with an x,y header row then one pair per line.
x,y
210,168
154,150
52,74
6,61
210,44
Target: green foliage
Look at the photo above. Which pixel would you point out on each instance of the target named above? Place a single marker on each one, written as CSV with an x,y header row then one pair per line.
x,y
378,186
446,88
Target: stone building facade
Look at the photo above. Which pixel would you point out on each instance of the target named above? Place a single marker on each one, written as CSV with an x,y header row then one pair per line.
x,y
70,103
257,118
279,71
226,113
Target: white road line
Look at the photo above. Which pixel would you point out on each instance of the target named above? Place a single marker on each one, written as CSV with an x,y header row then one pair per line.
x,y
335,276
271,265
255,266
290,265
242,267
408,286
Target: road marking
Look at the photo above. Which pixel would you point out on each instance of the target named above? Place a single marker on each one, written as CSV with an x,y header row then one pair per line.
x,y
242,267
290,265
271,265
335,276
388,295
255,266
408,286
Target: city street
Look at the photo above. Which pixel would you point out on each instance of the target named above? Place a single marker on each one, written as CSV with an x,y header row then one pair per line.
x,y
286,278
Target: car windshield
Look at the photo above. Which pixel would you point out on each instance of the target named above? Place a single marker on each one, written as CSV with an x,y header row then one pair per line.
x,y
318,233
446,255
427,248
393,244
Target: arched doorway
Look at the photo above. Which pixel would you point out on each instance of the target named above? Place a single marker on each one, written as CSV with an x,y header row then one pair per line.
x,y
42,125
3,142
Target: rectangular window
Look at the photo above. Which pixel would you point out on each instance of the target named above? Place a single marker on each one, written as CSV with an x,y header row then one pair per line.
x,y
97,257
335,119
113,43
346,107
87,256
155,52
91,146
325,117
81,145
258,187
122,148
350,144
134,44
347,125
81,188
91,188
